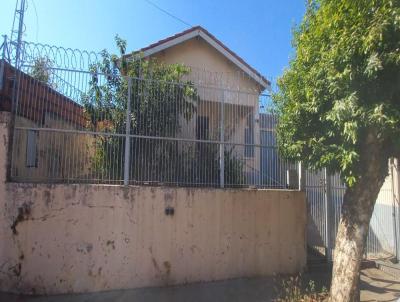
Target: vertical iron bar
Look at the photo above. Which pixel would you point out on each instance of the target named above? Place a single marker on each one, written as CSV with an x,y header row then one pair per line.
x,y
127,135
395,234
397,194
221,145
15,89
302,177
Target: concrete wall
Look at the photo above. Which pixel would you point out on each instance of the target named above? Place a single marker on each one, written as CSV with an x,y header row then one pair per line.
x,y
82,238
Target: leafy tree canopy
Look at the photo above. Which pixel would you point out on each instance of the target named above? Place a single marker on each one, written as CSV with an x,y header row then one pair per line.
x,y
342,86
159,93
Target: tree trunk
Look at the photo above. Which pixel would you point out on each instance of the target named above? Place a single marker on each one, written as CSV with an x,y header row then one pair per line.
x,y
358,205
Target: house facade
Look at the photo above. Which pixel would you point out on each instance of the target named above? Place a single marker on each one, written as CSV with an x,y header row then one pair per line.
x,y
228,88
43,155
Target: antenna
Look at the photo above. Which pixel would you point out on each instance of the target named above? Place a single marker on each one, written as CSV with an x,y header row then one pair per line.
x,y
18,29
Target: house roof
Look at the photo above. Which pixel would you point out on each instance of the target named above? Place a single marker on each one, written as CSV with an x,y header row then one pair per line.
x,y
199,31
51,101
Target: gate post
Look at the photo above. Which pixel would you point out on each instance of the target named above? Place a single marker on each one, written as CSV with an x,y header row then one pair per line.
x,y
328,215
127,135
394,173
302,177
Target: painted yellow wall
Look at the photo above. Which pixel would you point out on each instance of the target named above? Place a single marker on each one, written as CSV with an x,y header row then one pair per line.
x,y
209,67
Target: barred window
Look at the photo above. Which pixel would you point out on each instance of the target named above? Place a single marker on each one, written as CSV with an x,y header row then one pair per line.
x,y
31,149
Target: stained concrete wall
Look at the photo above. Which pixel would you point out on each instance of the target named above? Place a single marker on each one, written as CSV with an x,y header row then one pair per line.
x,y
82,238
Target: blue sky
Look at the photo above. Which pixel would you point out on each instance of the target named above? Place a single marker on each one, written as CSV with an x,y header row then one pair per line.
x,y
259,31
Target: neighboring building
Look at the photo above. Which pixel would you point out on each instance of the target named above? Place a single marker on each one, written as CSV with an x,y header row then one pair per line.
x,y
37,99
228,87
41,106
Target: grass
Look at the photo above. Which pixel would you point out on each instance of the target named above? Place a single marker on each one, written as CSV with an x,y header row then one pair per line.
x,y
291,289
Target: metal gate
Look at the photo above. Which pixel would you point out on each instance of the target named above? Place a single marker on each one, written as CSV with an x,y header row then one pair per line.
x,y
325,196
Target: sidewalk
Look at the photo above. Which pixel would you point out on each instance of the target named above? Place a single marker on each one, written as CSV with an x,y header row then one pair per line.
x,y
376,286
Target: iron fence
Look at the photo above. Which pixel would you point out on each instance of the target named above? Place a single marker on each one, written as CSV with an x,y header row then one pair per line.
x,y
78,119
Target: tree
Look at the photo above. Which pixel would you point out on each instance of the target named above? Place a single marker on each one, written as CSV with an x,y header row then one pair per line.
x,y
339,107
41,70
160,98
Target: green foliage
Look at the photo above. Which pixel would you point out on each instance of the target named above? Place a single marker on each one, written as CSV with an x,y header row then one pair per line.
x,y
342,85
159,99
233,168
206,166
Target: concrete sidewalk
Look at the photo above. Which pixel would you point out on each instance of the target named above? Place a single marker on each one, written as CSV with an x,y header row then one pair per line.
x,y
379,286
376,286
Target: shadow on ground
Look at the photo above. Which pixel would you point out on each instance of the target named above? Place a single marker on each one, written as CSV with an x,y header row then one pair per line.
x,y
376,286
